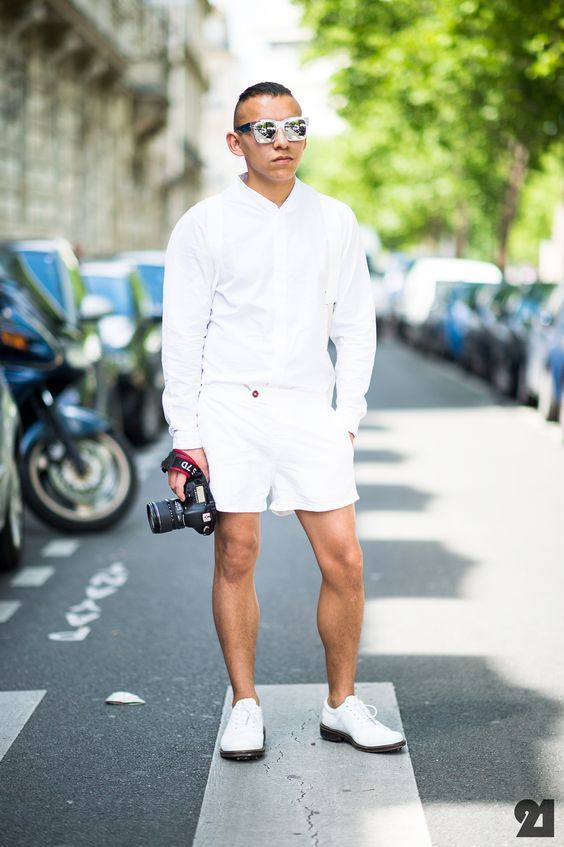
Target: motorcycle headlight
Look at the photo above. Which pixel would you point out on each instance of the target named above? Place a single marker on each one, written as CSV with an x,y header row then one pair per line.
x,y
116,331
76,355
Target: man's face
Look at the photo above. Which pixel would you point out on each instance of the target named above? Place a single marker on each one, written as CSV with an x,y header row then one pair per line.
x,y
279,160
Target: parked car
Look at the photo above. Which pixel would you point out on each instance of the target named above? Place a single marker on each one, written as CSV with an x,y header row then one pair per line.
x,y
11,504
492,306
451,318
132,339
508,338
150,264
544,367
50,270
419,291
397,266
551,391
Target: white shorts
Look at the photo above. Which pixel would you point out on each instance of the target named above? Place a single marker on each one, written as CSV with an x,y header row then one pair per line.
x,y
283,442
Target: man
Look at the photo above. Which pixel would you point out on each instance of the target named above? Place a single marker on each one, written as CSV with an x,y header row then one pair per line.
x,y
248,386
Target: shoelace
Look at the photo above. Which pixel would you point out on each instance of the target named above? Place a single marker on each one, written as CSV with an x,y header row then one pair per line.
x,y
242,716
361,711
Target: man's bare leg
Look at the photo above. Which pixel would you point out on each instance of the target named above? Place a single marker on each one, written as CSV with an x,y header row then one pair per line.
x,y
234,599
341,599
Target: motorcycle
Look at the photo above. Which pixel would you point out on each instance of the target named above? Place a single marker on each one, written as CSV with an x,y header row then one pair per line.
x,y
76,473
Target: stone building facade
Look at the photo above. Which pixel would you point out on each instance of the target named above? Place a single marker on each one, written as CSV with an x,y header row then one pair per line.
x,y
99,119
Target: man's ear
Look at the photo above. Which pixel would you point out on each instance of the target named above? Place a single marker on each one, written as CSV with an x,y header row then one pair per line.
x,y
234,144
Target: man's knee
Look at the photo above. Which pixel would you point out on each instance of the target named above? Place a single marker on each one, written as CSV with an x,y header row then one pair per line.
x,y
344,566
236,545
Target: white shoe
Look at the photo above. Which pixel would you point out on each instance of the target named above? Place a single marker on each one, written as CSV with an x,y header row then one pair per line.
x,y
353,722
244,734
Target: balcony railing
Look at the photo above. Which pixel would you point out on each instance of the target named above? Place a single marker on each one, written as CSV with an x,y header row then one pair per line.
x,y
132,28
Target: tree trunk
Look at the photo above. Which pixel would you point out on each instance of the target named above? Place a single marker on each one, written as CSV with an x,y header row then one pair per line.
x,y
517,171
461,230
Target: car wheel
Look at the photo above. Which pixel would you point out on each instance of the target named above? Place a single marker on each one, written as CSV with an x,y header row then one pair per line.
x,y
502,378
548,406
523,394
12,534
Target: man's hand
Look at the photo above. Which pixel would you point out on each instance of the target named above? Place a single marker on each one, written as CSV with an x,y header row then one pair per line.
x,y
177,480
352,436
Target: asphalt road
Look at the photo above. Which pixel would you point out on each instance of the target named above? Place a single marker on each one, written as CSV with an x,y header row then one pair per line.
x,y
460,519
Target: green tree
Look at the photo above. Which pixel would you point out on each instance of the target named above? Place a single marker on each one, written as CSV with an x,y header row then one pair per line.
x,y
462,98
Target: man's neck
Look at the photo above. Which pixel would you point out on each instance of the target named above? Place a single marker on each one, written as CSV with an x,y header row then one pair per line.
x,y
277,192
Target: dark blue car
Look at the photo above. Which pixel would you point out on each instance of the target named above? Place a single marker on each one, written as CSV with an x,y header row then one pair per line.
x,y
544,371
508,338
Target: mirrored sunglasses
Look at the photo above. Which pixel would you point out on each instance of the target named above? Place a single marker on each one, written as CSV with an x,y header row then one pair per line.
x,y
264,131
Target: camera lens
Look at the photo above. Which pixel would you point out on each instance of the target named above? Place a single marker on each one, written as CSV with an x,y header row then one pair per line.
x,y
166,515
160,515
153,517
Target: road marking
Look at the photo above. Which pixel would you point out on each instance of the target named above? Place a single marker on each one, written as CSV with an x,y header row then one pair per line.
x,y
61,547
384,525
427,626
378,473
16,708
32,576
7,609
104,582
392,444
312,791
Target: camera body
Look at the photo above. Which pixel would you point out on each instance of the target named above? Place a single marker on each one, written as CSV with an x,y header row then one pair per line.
x,y
196,511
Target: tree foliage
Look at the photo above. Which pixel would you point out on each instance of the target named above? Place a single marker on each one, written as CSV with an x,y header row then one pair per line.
x,y
450,104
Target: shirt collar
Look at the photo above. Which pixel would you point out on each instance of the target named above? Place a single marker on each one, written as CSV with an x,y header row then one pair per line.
x,y
254,198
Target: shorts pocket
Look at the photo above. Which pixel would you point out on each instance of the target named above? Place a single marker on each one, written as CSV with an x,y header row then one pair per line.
x,y
340,428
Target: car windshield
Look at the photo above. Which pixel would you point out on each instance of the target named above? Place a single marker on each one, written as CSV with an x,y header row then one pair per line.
x,y
540,291
43,265
533,298
117,289
153,276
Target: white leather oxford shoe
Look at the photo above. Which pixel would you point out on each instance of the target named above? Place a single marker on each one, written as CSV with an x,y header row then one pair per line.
x,y
353,722
245,735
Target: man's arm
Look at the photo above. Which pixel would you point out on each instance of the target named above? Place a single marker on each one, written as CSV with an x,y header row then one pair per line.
x,y
187,294
353,329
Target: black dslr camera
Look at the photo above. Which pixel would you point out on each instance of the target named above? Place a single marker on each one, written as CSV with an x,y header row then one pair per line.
x,y
197,510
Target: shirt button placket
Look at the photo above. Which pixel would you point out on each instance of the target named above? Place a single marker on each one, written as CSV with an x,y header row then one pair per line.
x,y
280,254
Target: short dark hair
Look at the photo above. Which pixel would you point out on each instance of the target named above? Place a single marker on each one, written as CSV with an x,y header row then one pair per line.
x,y
272,88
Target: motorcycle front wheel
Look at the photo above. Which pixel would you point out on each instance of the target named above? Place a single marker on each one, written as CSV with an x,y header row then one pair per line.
x,y
55,491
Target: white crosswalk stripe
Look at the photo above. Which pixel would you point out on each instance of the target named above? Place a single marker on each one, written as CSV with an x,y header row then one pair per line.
x,y
7,609
374,525
61,547
16,707
305,790
32,576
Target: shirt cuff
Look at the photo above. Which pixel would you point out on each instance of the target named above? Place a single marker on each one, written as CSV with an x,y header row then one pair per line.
x,y
186,439
349,419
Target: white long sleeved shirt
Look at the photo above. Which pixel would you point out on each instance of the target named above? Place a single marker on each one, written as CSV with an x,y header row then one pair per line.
x,y
266,324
